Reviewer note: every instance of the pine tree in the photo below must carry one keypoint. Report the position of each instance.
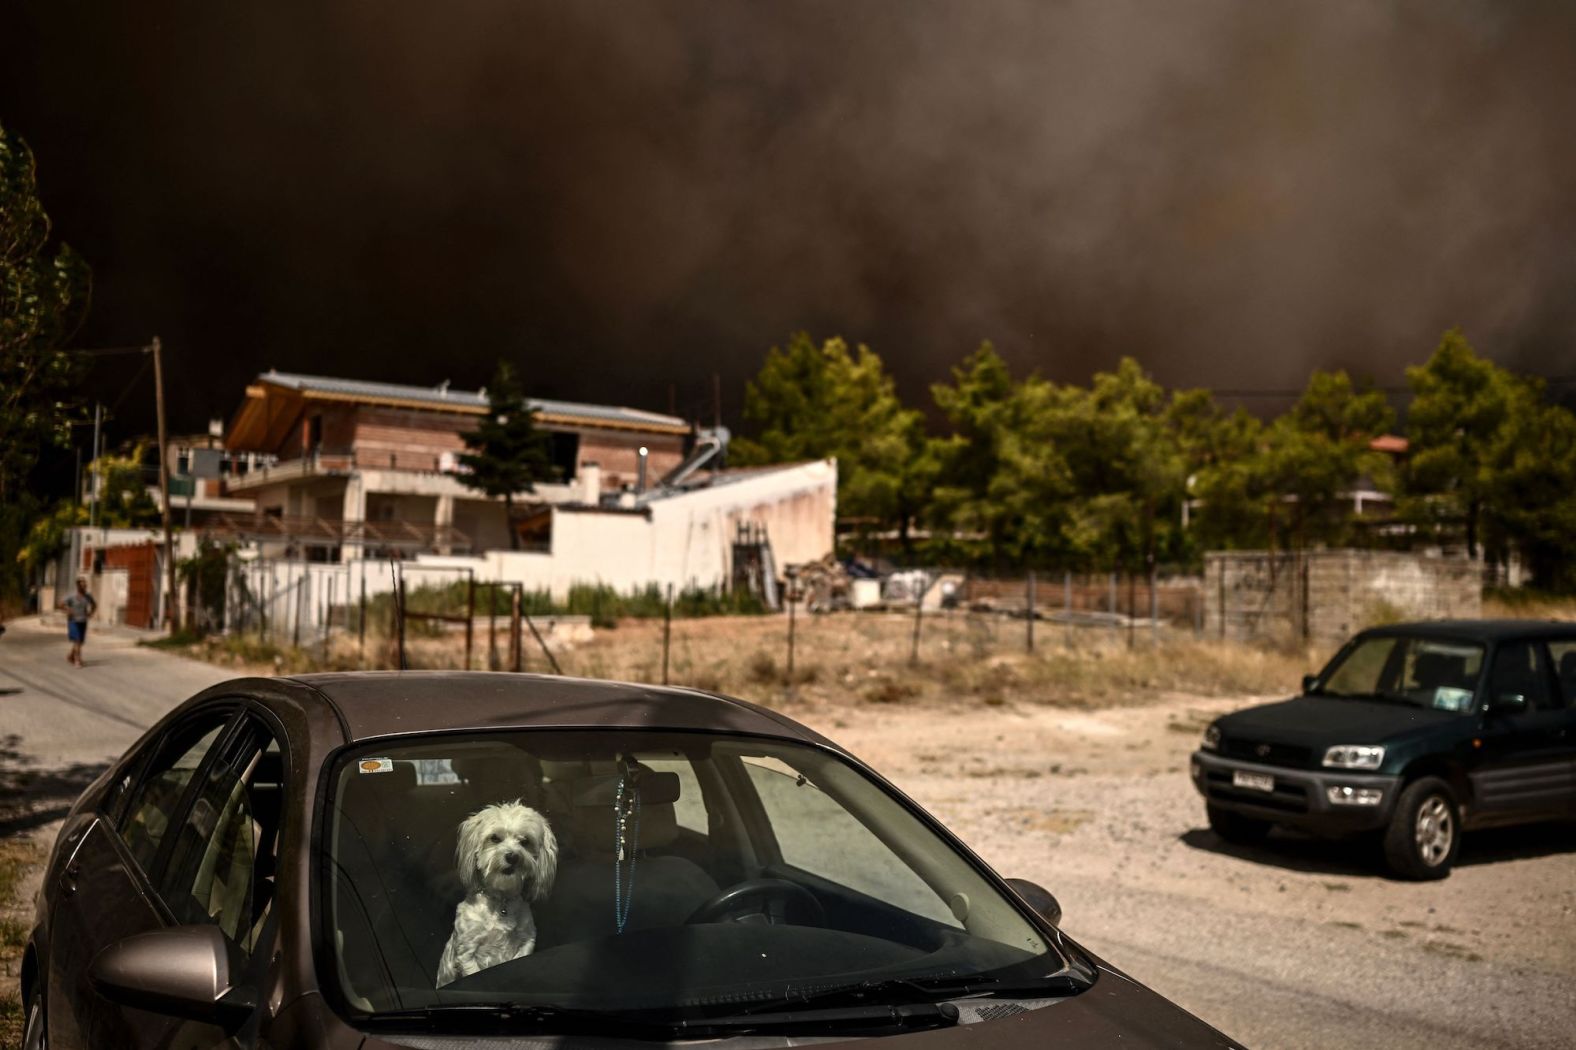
(508, 455)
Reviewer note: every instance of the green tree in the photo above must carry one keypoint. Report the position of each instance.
(1534, 492)
(1218, 450)
(814, 401)
(1316, 454)
(507, 454)
(43, 297)
(973, 494)
(1463, 408)
(1126, 473)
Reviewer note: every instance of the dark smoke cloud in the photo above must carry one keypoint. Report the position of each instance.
(624, 196)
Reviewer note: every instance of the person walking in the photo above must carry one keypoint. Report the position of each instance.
(79, 607)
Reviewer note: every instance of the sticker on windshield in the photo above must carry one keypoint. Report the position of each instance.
(376, 765)
(1449, 698)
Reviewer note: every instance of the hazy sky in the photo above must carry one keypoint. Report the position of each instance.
(624, 195)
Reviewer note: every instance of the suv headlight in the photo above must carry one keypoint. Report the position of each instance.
(1354, 756)
(1211, 741)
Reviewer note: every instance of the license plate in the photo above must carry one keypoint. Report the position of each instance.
(1252, 781)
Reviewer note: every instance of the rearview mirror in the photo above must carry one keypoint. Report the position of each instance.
(1308, 682)
(1508, 703)
(1039, 898)
(184, 971)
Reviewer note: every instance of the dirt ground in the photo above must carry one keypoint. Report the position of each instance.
(1096, 806)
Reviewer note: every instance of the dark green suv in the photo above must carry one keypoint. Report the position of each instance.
(1415, 732)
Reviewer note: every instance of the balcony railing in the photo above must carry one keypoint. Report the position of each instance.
(372, 536)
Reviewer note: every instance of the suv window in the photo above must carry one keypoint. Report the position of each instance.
(1562, 655)
(1520, 670)
(153, 801)
(221, 869)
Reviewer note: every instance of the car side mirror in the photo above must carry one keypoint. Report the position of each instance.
(1508, 703)
(1039, 898)
(184, 971)
(1308, 682)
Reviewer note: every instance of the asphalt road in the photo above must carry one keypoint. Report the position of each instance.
(60, 725)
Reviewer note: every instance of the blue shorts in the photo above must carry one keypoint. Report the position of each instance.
(77, 631)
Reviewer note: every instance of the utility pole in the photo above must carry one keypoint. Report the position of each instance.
(164, 485)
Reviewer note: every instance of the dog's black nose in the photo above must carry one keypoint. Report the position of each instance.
(511, 857)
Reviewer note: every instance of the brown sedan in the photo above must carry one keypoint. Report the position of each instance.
(384, 860)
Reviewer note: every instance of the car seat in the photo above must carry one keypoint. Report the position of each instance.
(665, 889)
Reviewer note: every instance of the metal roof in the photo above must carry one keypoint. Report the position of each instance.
(382, 703)
(442, 396)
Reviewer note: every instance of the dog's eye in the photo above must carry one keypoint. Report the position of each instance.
(494, 838)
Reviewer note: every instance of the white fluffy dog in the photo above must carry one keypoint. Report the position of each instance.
(507, 857)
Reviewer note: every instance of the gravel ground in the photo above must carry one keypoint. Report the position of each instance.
(1300, 943)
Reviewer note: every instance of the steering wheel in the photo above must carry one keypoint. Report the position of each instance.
(776, 901)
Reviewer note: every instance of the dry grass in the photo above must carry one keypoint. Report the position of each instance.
(18, 857)
(863, 658)
(866, 658)
(1529, 607)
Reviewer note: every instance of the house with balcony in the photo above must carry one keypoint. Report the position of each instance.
(340, 469)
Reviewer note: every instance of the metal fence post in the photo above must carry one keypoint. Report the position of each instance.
(793, 600)
(470, 614)
(1030, 618)
(667, 633)
(919, 615)
(516, 646)
(492, 626)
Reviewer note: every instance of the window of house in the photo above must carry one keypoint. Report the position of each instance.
(564, 450)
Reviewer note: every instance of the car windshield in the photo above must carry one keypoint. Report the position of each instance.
(1439, 673)
(666, 875)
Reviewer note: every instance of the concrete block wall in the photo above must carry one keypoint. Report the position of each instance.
(1324, 596)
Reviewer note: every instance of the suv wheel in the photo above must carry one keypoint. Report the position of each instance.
(1425, 832)
(1234, 827)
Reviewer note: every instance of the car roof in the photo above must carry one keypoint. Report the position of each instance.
(385, 703)
(1483, 630)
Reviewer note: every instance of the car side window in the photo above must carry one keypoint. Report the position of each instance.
(1562, 654)
(153, 801)
(222, 867)
(1520, 670)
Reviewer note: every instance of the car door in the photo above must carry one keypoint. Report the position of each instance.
(1525, 770)
(1562, 659)
(102, 891)
(215, 868)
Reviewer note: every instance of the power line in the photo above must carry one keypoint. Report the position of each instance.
(109, 351)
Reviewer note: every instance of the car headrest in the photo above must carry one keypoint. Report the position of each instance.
(1568, 671)
(592, 810)
(602, 790)
(501, 776)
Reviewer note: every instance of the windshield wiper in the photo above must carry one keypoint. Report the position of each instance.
(918, 990)
(904, 1015)
(504, 1016)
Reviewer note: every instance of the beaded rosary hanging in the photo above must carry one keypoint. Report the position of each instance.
(626, 841)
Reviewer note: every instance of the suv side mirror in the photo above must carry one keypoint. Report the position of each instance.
(1308, 682)
(183, 971)
(1039, 898)
(1508, 703)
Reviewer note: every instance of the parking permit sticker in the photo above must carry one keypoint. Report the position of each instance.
(376, 765)
(1449, 698)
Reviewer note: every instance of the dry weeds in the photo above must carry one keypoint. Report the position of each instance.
(18, 856)
(860, 658)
